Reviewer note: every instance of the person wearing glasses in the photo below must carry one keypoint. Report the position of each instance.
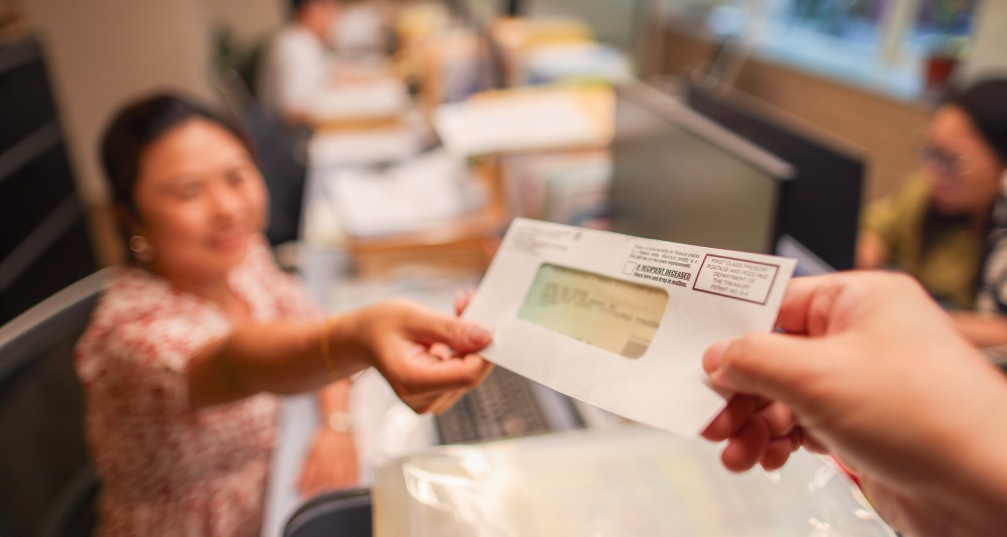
(935, 228)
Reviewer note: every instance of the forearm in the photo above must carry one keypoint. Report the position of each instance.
(393, 336)
(965, 480)
(975, 495)
(982, 476)
(282, 358)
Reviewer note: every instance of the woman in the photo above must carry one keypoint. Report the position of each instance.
(935, 227)
(191, 337)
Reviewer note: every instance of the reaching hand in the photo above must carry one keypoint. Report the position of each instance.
(446, 401)
(872, 371)
(423, 355)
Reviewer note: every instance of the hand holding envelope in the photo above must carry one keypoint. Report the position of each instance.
(622, 322)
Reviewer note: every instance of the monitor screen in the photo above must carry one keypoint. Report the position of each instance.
(679, 177)
(819, 209)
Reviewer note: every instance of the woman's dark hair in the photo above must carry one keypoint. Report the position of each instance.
(134, 129)
(985, 103)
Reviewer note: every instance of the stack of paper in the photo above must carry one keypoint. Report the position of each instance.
(521, 121)
(586, 60)
(569, 187)
(382, 97)
(407, 197)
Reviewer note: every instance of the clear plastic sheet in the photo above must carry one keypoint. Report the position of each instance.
(632, 481)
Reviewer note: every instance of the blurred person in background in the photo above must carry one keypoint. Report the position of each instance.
(935, 228)
(299, 63)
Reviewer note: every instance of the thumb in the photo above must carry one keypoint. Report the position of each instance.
(774, 366)
(462, 336)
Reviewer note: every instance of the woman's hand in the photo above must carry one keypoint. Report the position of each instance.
(423, 355)
(448, 400)
(331, 463)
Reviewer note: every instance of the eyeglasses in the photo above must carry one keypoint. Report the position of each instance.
(945, 163)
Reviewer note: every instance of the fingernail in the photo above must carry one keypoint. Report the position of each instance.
(479, 334)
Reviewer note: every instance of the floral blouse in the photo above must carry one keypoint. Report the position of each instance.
(992, 294)
(167, 469)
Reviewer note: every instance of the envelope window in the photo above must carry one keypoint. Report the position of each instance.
(609, 313)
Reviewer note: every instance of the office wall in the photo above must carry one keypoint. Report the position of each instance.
(247, 19)
(101, 52)
(989, 50)
(104, 51)
(880, 124)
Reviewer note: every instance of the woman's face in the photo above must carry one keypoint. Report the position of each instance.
(963, 170)
(201, 200)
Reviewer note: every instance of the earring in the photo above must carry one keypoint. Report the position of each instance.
(141, 250)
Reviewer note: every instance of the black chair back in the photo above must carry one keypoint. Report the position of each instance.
(48, 484)
(342, 513)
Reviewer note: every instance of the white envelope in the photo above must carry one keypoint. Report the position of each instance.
(622, 322)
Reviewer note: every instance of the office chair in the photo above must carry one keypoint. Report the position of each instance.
(341, 513)
(48, 484)
(282, 153)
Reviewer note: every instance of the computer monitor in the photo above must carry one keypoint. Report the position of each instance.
(678, 176)
(820, 209)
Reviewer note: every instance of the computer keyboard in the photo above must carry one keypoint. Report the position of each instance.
(503, 406)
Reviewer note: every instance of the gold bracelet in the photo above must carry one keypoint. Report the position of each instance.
(327, 351)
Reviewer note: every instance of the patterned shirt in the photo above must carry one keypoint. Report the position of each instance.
(992, 294)
(165, 468)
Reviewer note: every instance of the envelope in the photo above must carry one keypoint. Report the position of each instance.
(622, 322)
